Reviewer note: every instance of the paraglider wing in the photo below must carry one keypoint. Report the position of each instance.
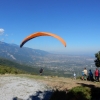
(37, 34)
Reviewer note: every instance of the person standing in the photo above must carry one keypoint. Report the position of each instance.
(96, 73)
(41, 71)
(90, 75)
(85, 74)
(74, 75)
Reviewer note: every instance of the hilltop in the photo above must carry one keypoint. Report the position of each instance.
(37, 87)
(60, 83)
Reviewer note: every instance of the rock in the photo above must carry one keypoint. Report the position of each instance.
(20, 88)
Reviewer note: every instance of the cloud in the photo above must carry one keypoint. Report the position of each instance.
(1, 31)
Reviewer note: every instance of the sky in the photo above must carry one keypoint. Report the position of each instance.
(76, 21)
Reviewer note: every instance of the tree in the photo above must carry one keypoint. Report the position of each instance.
(97, 60)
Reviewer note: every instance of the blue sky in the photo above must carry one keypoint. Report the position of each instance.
(76, 21)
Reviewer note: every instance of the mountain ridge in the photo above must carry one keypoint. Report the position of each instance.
(21, 55)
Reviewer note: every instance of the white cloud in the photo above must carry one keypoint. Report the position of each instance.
(1, 31)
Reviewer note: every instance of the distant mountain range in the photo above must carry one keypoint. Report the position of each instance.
(22, 55)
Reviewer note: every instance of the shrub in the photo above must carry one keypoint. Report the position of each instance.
(79, 93)
(76, 93)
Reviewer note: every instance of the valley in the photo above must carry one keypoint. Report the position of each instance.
(53, 64)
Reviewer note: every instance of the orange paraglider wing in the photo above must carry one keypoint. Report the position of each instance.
(37, 34)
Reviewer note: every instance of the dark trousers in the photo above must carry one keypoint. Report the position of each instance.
(97, 78)
(90, 78)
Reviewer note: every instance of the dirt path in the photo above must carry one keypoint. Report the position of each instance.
(67, 83)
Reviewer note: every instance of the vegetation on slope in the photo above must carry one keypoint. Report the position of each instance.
(10, 70)
(30, 70)
(7, 66)
(77, 93)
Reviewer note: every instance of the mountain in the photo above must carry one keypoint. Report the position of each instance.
(22, 55)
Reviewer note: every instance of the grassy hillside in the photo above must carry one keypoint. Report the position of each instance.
(10, 70)
(8, 66)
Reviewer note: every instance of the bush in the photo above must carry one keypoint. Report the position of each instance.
(79, 93)
(76, 93)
